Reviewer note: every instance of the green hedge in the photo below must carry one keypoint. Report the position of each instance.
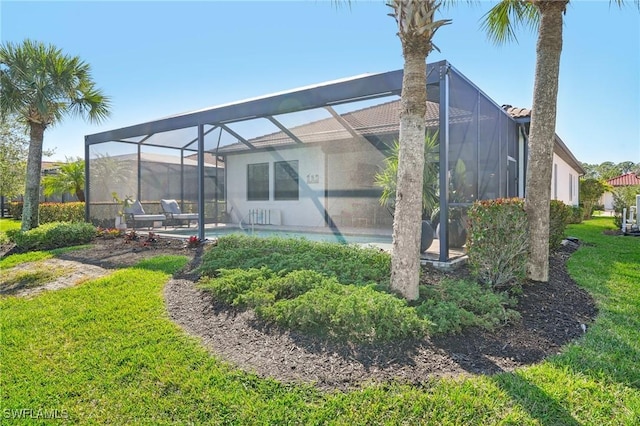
(52, 235)
(52, 212)
(497, 242)
(559, 215)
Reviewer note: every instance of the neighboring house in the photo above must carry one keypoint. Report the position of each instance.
(566, 168)
(627, 179)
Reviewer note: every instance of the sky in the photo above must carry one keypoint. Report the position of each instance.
(156, 59)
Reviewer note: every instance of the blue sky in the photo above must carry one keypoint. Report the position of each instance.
(156, 59)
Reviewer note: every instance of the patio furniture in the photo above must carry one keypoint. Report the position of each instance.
(173, 213)
(135, 213)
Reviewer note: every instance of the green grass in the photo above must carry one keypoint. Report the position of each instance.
(106, 352)
(7, 225)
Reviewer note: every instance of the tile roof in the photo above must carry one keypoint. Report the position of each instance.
(516, 112)
(626, 179)
(371, 121)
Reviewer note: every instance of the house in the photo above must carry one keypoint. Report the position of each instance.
(566, 168)
(308, 157)
(627, 179)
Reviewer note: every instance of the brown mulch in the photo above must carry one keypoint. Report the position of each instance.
(553, 314)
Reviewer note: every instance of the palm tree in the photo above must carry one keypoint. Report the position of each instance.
(416, 28)
(70, 178)
(41, 85)
(500, 23)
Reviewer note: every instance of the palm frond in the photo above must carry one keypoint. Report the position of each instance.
(506, 17)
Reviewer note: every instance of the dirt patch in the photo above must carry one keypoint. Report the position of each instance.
(553, 314)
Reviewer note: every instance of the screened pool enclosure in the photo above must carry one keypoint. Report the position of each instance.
(306, 160)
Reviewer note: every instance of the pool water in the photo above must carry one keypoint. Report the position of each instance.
(336, 237)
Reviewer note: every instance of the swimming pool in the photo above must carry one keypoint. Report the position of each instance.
(335, 237)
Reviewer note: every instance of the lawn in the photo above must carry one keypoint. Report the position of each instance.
(106, 352)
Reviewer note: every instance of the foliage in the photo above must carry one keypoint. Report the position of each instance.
(194, 241)
(108, 233)
(14, 148)
(623, 197)
(453, 305)
(350, 264)
(590, 192)
(69, 178)
(608, 170)
(310, 302)
(52, 235)
(387, 177)
(347, 312)
(497, 242)
(576, 214)
(559, 214)
(53, 212)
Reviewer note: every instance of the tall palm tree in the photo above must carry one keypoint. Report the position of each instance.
(70, 178)
(416, 28)
(41, 85)
(500, 23)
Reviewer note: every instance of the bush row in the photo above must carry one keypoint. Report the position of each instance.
(52, 212)
(52, 235)
(350, 264)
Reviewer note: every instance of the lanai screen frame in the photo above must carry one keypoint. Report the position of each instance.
(329, 94)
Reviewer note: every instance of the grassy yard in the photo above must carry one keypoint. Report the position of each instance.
(106, 352)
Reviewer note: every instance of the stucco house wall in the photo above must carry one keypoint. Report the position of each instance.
(564, 182)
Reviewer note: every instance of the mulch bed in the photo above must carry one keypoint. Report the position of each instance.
(553, 314)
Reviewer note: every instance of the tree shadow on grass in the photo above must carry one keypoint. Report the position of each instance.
(540, 405)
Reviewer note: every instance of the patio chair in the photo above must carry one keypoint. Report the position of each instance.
(135, 213)
(173, 214)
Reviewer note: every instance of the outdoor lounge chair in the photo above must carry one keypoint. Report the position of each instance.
(172, 212)
(135, 213)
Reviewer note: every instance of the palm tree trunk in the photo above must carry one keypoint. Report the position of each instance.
(541, 138)
(405, 254)
(32, 186)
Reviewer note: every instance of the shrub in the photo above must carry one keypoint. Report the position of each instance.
(559, 214)
(576, 214)
(52, 235)
(455, 304)
(497, 242)
(52, 212)
(350, 264)
(347, 312)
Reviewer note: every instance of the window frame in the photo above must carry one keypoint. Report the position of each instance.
(254, 194)
(278, 193)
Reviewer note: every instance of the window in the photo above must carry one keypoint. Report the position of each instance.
(570, 187)
(555, 181)
(286, 180)
(258, 182)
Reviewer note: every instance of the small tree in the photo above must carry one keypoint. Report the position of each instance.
(41, 86)
(590, 192)
(70, 178)
(14, 148)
